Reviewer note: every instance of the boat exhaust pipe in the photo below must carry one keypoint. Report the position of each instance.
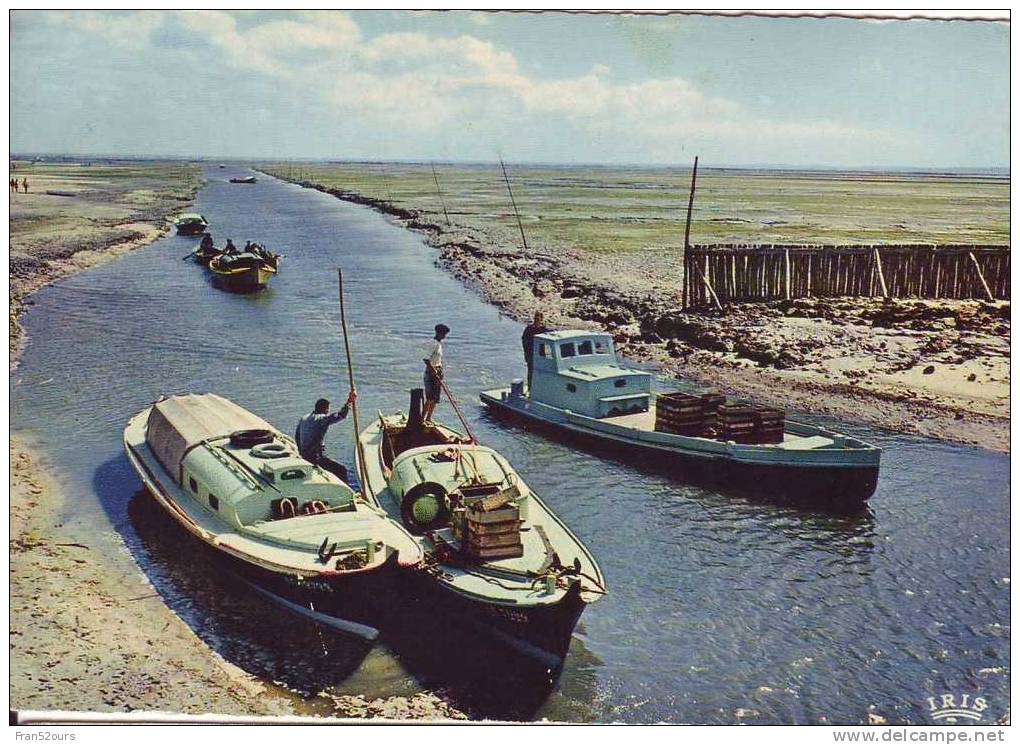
(414, 414)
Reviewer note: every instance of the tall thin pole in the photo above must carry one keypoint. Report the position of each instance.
(690, 205)
(362, 466)
(440, 193)
(520, 225)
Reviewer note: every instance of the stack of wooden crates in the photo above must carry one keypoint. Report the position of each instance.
(687, 414)
(489, 527)
(709, 415)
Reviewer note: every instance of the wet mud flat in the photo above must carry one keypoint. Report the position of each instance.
(77, 215)
(603, 250)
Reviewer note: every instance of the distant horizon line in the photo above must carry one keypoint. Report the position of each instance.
(467, 162)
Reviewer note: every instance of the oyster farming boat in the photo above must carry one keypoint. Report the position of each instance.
(497, 557)
(580, 389)
(294, 532)
(248, 271)
(191, 223)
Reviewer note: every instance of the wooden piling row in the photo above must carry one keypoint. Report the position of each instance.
(715, 274)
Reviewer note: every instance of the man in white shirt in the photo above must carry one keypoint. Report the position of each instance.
(434, 370)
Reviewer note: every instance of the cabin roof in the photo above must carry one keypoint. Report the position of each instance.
(597, 372)
(178, 423)
(567, 335)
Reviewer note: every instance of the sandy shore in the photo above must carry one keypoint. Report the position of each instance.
(88, 632)
(934, 368)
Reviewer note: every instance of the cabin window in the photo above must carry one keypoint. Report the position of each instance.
(544, 351)
(621, 383)
(214, 502)
(584, 347)
(294, 473)
(601, 347)
(571, 387)
(567, 350)
(193, 484)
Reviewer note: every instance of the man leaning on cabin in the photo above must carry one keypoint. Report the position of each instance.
(311, 434)
(434, 370)
(537, 326)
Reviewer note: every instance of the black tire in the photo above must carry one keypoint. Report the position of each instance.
(423, 508)
(246, 438)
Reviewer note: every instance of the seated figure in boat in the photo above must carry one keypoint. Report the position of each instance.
(207, 242)
(230, 249)
(310, 434)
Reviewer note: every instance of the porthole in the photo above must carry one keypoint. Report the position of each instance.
(622, 382)
(571, 387)
(214, 502)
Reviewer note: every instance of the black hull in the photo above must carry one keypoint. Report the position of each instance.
(242, 285)
(343, 602)
(540, 634)
(824, 489)
(191, 230)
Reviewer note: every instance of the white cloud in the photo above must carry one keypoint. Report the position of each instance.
(414, 82)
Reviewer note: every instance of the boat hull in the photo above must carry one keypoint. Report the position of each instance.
(793, 480)
(248, 280)
(539, 633)
(191, 229)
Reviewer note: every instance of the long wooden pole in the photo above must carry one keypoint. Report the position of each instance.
(362, 466)
(453, 403)
(440, 193)
(513, 201)
(690, 205)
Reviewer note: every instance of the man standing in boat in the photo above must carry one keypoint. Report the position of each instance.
(311, 434)
(434, 370)
(537, 326)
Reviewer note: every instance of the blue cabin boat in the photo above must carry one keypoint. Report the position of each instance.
(580, 389)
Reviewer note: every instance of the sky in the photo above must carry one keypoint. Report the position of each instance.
(548, 87)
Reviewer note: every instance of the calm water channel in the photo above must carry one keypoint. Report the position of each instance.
(721, 610)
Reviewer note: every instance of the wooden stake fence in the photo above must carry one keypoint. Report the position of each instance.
(747, 273)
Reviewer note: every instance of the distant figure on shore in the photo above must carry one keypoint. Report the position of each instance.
(14, 185)
(434, 371)
(230, 249)
(24, 185)
(537, 326)
(311, 434)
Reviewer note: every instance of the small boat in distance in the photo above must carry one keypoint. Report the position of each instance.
(294, 532)
(580, 389)
(191, 223)
(244, 180)
(244, 272)
(501, 561)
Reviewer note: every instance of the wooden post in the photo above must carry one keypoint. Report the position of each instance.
(513, 201)
(708, 285)
(786, 258)
(981, 276)
(440, 193)
(881, 276)
(690, 205)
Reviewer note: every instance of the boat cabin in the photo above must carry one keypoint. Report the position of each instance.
(235, 464)
(578, 371)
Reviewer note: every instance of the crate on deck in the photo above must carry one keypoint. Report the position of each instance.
(488, 525)
(769, 425)
(679, 413)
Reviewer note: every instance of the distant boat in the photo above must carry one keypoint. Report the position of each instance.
(245, 272)
(223, 165)
(579, 388)
(295, 532)
(191, 223)
(245, 180)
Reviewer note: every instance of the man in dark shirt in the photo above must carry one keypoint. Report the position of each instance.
(311, 433)
(537, 326)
